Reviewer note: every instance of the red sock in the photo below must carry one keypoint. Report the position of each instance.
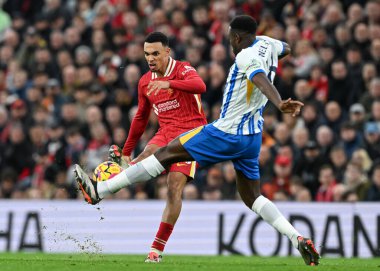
(162, 236)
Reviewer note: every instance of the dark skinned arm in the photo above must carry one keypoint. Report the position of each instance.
(268, 89)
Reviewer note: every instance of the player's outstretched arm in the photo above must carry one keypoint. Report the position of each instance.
(267, 88)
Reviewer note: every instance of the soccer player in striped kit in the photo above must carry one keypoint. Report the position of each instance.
(235, 136)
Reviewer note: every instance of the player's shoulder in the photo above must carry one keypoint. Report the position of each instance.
(183, 67)
(265, 38)
(246, 56)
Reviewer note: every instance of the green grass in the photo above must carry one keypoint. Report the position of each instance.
(94, 262)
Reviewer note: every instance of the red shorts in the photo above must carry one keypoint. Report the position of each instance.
(162, 138)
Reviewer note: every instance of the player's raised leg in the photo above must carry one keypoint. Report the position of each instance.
(249, 191)
(142, 171)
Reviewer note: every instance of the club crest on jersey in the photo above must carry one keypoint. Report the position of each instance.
(255, 64)
(187, 69)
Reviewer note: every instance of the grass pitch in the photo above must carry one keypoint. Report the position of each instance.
(94, 262)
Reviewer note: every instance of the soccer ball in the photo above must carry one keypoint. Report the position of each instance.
(106, 171)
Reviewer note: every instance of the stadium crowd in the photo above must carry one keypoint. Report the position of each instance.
(68, 89)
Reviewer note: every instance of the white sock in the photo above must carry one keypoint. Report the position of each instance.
(143, 171)
(269, 212)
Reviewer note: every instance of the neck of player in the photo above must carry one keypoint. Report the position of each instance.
(162, 71)
(245, 43)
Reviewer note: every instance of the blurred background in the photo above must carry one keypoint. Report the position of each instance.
(68, 89)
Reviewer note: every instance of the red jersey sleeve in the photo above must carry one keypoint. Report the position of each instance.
(188, 80)
(139, 122)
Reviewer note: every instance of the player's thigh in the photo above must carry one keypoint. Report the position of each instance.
(156, 142)
(172, 153)
(249, 167)
(209, 145)
(248, 162)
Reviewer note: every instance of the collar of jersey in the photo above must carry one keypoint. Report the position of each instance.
(169, 68)
(254, 42)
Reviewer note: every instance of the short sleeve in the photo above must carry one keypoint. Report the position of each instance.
(250, 64)
(279, 45)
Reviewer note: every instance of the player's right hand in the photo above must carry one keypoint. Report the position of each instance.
(290, 106)
(127, 159)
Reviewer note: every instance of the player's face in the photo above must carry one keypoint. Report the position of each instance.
(157, 56)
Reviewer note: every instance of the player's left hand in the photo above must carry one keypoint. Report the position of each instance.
(290, 106)
(156, 86)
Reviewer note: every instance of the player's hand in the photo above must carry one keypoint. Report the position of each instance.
(126, 158)
(156, 86)
(290, 106)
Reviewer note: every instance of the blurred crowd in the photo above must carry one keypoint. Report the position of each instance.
(68, 89)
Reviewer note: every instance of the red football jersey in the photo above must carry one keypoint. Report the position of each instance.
(178, 108)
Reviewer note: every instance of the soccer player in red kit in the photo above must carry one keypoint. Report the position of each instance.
(172, 88)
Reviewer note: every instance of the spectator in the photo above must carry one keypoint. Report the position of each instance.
(371, 142)
(368, 73)
(190, 192)
(356, 182)
(325, 139)
(303, 91)
(319, 83)
(340, 84)
(281, 180)
(300, 137)
(285, 83)
(327, 180)
(339, 160)
(338, 192)
(305, 58)
(311, 118)
(373, 94)
(308, 167)
(349, 138)
(229, 184)
(373, 193)
(342, 39)
(375, 53)
(357, 116)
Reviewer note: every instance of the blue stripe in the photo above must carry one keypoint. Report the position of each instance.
(260, 124)
(254, 73)
(229, 94)
(241, 124)
(250, 124)
(283, 48)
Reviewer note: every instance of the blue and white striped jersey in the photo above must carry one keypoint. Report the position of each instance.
(243, 102)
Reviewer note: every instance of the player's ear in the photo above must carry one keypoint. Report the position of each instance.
(238, 37)
(168, 50)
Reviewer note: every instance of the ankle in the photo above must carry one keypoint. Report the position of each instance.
(159, 252)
